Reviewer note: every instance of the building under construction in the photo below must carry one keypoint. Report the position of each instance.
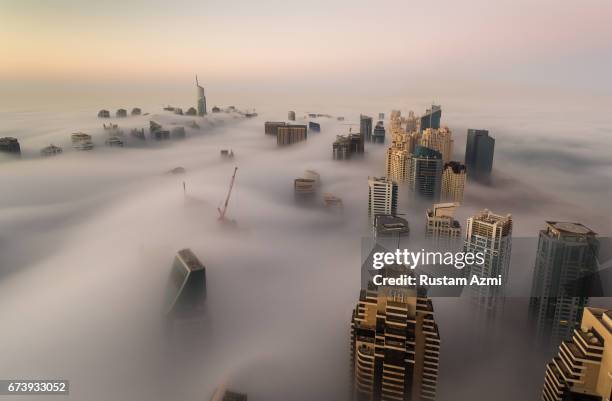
(346, 146)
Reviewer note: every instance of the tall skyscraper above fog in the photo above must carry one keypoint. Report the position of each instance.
(431, 118)
(291, 115)
(566, 253)
(425, 173)
(396, 164)
(378, 136)
(201, 99)
(395, 346)
(479, 149)
(453, 182)
(382, 197)
(440, 139)
(490, 234)
(365, 127)
(582, 371)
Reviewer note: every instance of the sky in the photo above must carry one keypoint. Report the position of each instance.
(351, 45)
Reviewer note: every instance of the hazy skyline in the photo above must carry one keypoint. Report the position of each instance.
(559, 45)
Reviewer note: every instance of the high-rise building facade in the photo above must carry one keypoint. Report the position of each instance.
(490, 234)
(271, 127)
(395, 346)
(345, 146)
(291, 115)
(440, 139)
(290, 134)
(441, 223)
(412, 122)
(382, 196)
(378, 136)
(201, 99)
(582, 370)
(453, 182)
(566, 253)
(365, 127)
(431, 118)
(479, 149)
(425, 173)
(396, 164)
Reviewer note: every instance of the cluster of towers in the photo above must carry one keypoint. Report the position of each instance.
(388, 359)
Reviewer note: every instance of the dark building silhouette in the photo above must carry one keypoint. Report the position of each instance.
(365, 127)
(345, 146)
(201, 97)
(271, 127)
(10, 145)
(121, 113)
(221, 394)
(186, 290)
(379, 133)
(431, 118)
(103, 114)
(314, 127)
(566, 253)
(425, 173)
(479, 149)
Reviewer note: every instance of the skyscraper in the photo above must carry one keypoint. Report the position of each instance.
(346, 146)
(425, 173)
(490, 234)
(438, 139)
(396, 164)
(566, 253)
(441, 223)
(431, 118)
(186, 289)
(365, 127)
(395, 346)
(382, 196)
(378, 136)
(453, 182)
(479, 149)
(271, 127)
(291, 115)
(582, 371)
(201, 99)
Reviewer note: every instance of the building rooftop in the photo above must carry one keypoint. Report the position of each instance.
(456, 166)
(422, 151)
(389, 224)
(190, 260)
(570, 228)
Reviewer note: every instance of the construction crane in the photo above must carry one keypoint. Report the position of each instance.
(229, 193)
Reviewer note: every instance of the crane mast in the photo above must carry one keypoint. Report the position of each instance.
(229, 193)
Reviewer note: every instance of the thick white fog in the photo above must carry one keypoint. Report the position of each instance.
(87, 240)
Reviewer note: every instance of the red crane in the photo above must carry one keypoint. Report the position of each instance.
(229, 193)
